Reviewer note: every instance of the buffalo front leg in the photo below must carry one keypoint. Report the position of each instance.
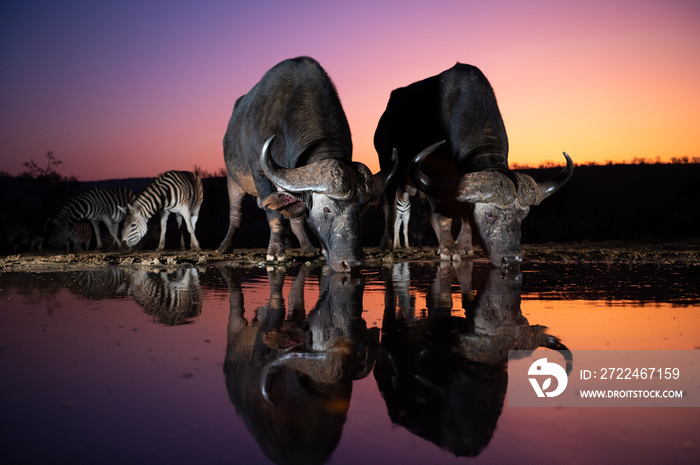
(275, 249)
(300, 232)
(235, 199)
(442, 226)
(387, 242)
(464, 239)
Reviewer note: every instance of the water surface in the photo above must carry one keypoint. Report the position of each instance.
(402, 364)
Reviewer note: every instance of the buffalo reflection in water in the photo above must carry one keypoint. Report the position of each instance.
(289, 374)
(444, 377)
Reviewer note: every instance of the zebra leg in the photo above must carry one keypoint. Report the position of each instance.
(98, 236)
(235, 199)
(194, 243)
(178, 218)
(300, 232)
(163, 225)
(190, 221)
(406, 218)
(114, 232)
(397, 229)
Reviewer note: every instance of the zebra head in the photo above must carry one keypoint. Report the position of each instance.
(135, 225)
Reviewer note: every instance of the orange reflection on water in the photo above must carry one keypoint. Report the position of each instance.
(600, 325)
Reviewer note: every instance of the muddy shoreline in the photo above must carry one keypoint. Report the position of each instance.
(680, 252)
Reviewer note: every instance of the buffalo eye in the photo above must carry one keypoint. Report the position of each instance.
(489, 216)
(326, 212)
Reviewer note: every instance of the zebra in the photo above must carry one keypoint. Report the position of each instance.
(19, 236)
(80, 236)
(172, 299)
(95, 205)
(403, 214)
(178, 192)
(109, 283)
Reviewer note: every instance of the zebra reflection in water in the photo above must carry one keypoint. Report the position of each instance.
(172, 298)
(102, 284)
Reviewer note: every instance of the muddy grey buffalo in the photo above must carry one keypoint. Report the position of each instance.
(290, 374)
(464, 169)
(442, 372)
(288, 143)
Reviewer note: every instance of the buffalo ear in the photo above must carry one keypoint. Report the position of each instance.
(289, 206)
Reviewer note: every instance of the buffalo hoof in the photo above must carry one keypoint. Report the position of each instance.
(309, 250)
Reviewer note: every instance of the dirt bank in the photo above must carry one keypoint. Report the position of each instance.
(682, 252)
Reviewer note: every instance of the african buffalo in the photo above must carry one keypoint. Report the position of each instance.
(289, 374)
(464, 170)
(288, 143)
(444, 375)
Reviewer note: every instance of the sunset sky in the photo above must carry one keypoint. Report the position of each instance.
(132, 88)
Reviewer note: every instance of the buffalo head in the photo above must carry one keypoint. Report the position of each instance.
(333, 194)
(499, 201)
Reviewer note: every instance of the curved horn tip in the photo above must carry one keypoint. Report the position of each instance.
(394, 164)
(268, 142)
(424, 154)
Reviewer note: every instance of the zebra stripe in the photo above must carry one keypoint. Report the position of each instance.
(178, 192)
(171, 298)
(80, 236)
(403, 214)
(109, 283)
(19, 236)
(94, 205)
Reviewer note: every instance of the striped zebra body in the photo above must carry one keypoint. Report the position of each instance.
(80, 236)
(94, 205)
(403, 214)
(179, 192)
(19, 236)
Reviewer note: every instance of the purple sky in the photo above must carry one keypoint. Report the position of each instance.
(135, 88)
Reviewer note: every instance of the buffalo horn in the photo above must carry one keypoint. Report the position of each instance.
(553, 343)
(549, 187)
(329, 176)
(311, 364)
(420, 180)
(374, 185)
(496, 187)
